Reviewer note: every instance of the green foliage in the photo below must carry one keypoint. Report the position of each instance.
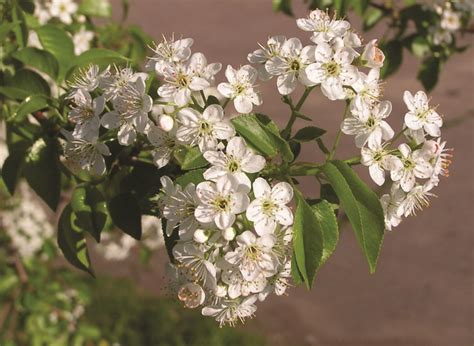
(99, 56)
(145, 320)
(308, 240)
(309, 133)
(283, 6)
(30, 105)
(362, 207)
(189, 157)
(393, 51)
(328, 223)
(429, 72)
(126, 214)
(72, 242)
(194, 176)
(96, 8)
(29, 82)
(39, 59)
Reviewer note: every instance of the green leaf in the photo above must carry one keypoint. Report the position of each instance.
(250, 129)
(27, 5)
(89, 205)
(429, 72)
(11, 170)
(360, 6)
(340, 6)
(371, 17)
(98, 56)
(30, 82)
(308, 241)
(309, 133)
(72, 242)
(328, 223)
(419, 46)
(56, 41)
(31, 104)
(96, 8)
(126, 214)
(271, 128)
(283, 6)
(393, 51)
(362, 207)
(21, 31)
(189, 157)
(195, 177)
(41, 60)
(42, 171)
(6, 28)
(295, 272)
(14, 93)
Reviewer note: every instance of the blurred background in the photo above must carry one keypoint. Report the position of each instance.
(422, 292)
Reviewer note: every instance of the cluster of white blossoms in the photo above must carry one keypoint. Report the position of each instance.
(450, 19)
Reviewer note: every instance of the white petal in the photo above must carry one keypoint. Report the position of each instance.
(261, 188)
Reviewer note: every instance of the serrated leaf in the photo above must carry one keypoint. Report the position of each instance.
(41, 60)
(126, 214)
(42, 171)
(96, 8)
(361, 206)
(189, 157)
(31, 104)
(295, 272)
(328, 223)
(195, 177)
(308, 133)
(250, 129)
(89, 205)
(72, 242)
(308, 241)
(271, 128)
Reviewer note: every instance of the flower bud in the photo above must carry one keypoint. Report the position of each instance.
(166, 122)
(228, 233)
(220, 291)
(372, 56)
(200, 236)
(192, 295)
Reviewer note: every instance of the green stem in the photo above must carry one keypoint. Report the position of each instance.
(286, 133)
(397, 136)
(203, 97)
(225, 103)
(338, 136)
(196, 103)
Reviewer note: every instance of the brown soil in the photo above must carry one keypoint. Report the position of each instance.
(422, 292)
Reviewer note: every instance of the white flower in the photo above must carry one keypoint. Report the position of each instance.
(194, 261)
(263, 54)
(164, 143)
(333, 70)
(232, 311)
(420, 114)
(279, 283)
(82, 40)
(237, 160)
(220, 202)
(131, 115)
(237, 286)
(152, 236)
(192, 295)
(270, 206)
(115, 248)
(42, 13)
(323, 27)
(413, 165)
(179, 208)
(87, 153)
(113, 83)
(85, 113)
(450, 20)
(416, 199)
(391, 206)
(367, 123)
(240, 88)
(254, 256)
(182, 79)
(63, 9)
(290, 65)
(372, 55)
(87, 79)
(378, 159)
(170, 51)
(203, 129)
(439, 157)
(367, 87)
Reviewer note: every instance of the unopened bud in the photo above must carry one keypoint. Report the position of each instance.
(229, 234)
(166, 122)
(372, 56)
(200, 236)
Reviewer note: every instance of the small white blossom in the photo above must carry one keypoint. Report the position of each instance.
(63, 10)
(237, 160)
(416, 199)
(197, 266)
(240, 88)
(367, 123)
(270, 206)
(290, 65)
(413, 165)
(265, 53)
(332, 70)
(378, 159)
(82, 40)
(231, 311)
(420, 114)
(367, 87)
(164, 143)
(86, 79)
(372, 55)
(85, 113)
(170, 51)
(203, 129)
(391, 204)
(192, 295)
(323, 27)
